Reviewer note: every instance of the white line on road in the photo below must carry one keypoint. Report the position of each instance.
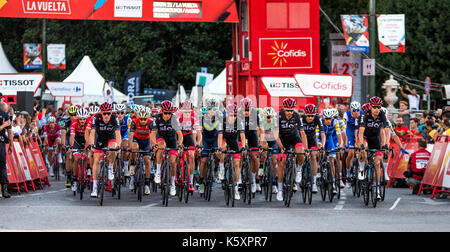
(395, 204)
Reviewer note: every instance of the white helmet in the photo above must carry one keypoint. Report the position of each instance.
(94, 110)
(335, 112)
(269, 111)
(327, 113)
(51, 119)
(82, 113)
(355, 105)
(120, 107)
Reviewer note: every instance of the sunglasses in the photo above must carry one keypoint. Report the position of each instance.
(309, 115)
(81, 119)
(167, 113)
(290, 111)
(376, 107)
(269, 117)
(107, 113)
(142, 119)
(328, 119)
(355, 110)
(121, 113)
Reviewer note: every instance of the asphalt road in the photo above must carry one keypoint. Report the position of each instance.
(56, 209)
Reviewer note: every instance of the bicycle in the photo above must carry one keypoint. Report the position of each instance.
(209, 179)
(139, 175)
(370, 184)
(82, 175)
(118, 175)
(307, 178)
(103, 176)
(55, 161)
(326, 180)
(289, 176)
(228, 184)
(246, 177)
(183, 177)
(353, 176)
(165, 175)
(268, 178)
(383, 181)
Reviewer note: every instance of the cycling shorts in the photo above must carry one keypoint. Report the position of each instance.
(312, 142)
(79, 146)
(144, 145)
(252, 138)
(330, 145)
(350, 140)
(291, 142)
(171, 142)
(188, 140)
(233, 145)
(103, 143)
(274, 146)
(51, 140)
(208, 143)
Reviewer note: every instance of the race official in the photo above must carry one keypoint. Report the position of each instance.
(5, 126)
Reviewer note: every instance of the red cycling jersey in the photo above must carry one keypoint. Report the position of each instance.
(77, 130)
(89, 121)
(141, 132)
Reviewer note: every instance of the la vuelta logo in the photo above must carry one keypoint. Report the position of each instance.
(285, 53)
(46, 6)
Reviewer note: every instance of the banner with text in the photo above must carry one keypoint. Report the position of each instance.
(56, 56)
(132, 84)
(391, 33)
(32, 56)
(356, 32)
(323, 85)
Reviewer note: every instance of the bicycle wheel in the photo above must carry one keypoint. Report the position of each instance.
(268, 179)
(354, 177)
(330, 183)
(249, 186)
(373, 184)
(118, 178)
(337, 179)
(139, 181)
(187, 176)
(290, 180)
(308, 183)
(383, 183)
(179, 182)
(322, 183)
(303, 185)
(101, 183)
(81, 172)
(366, 185)
(166, 183)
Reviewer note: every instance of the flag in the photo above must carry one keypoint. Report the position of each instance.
(391, 33)
(356, 32)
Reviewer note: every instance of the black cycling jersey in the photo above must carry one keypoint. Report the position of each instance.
(105, 130)
(289, 127)
(166, 128)
(252, 122)
(373, 126)
(310, 128)
(232, 130)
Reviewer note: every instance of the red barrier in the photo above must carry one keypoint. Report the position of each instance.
(392, 161)
(437, 173)
(400, 163)
(39, 160)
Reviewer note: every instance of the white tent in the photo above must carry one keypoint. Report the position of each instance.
(180, 96)
(217, 88)
(93, 84)
(5, 66)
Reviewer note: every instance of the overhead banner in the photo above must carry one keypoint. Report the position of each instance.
(323, 85)
(56, 56)
(10, 84)
(134, 10)
(67, 89)
(132, 85)
(391, 33)
(356, 32)
(32, 56)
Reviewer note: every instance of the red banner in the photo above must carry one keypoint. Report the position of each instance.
(285, 53)
(135, 10)
(401, 163)
(434, 166)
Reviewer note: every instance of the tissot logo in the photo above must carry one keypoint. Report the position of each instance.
(46, 6)
(283, 85)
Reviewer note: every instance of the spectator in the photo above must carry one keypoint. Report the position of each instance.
(447, 127)
(413, 98)
(109, 94)
(414, 131)
(400, 129)
(417, 165)
(404, 112)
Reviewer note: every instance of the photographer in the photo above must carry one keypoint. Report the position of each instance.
(5, 125)
(417, 165)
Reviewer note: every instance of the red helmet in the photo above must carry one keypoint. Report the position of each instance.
(187, 105)
(365, 107)
(167, 106)
(106, 107)
(232, 109)
(310, 109)
(376, 101)
(246, 103)
(289, 103)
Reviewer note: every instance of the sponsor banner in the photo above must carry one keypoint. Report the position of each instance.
(56, 56)
(22, 160)
(131, 86)
(160, 95)
(445, 170)
(356, 32)
(401, 163)
(42, 169)
(431, 176)
(427, 85)
(285, 53)
(32, 56)
(72, 89)
(203, 79)
(325, 85)
(391, 33)
(282, 86)
(10, 84)
(137, 10)
(128, 8)
(345, 62)
(179, 9)
(230, 77)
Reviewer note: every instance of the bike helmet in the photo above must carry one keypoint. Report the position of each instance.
(187, 105)
(121, 108)
(310, 109)
(376, 101)
(355, 106)
(289, 103)
(335, 112)
(269, 111)
(167, 106)
(82, 113)
(143, 113)
(155, 111)
(212, 103)
(134, 108)
(106, 107)
(365, 107)
(72, 110)
(94, 110)
(51, 119)
(328, 113)
(246, 103)
(232, 109)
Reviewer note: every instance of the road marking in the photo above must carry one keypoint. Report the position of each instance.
(395, 204)
(341, 202)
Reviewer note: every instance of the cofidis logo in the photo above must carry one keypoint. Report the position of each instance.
(288, 53)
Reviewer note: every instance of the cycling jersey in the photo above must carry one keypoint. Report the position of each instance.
(188, 123)
(52, 134)
(210, 130)
(104, 132)
(373, 126)
(124, 128)
(252, 122)
(231, 133)
(166, 129)
(79, 131)
(141, 132)
(269, 128)
(289, 130)
(351, 127)
(330, 131)
(315, 126)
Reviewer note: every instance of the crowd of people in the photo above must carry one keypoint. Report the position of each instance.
(217, 125)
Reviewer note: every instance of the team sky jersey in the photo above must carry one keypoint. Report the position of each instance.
(166, 128)
(289, 127)
(52, 133)
(232, 130)
(141, 132)
(252, 122)
(189, 122)
(312, 128)
(211, 126)
(105, 130)
(78, 130)
(373, 125)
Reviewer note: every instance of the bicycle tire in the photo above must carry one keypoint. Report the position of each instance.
(178, 184)
(383, 183)
(101, 183)
(365, 186)
(330, 183)
(226, 183)
(373, 187)
(166, 183)
(309, 184)
(337, 179)
(290, 181)
(118, 179)
(303, 183)
(140, 180)
(187, 176)
(322, 185)
(249, 186)
(354, 177)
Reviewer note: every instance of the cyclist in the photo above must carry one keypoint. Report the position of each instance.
(77, 140)
(65, 131)
(269, 123)
(105, 132)
(211, 124)
(351, 118)
(232, 131)
(190, 126)
(331, 129)
(312, 123)
(290, 125)
(166, 131)
(253, 131)
(52, 136)
(123, 121)
(140, 130)
(93, 110)
(373, 123)
(339, 155)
